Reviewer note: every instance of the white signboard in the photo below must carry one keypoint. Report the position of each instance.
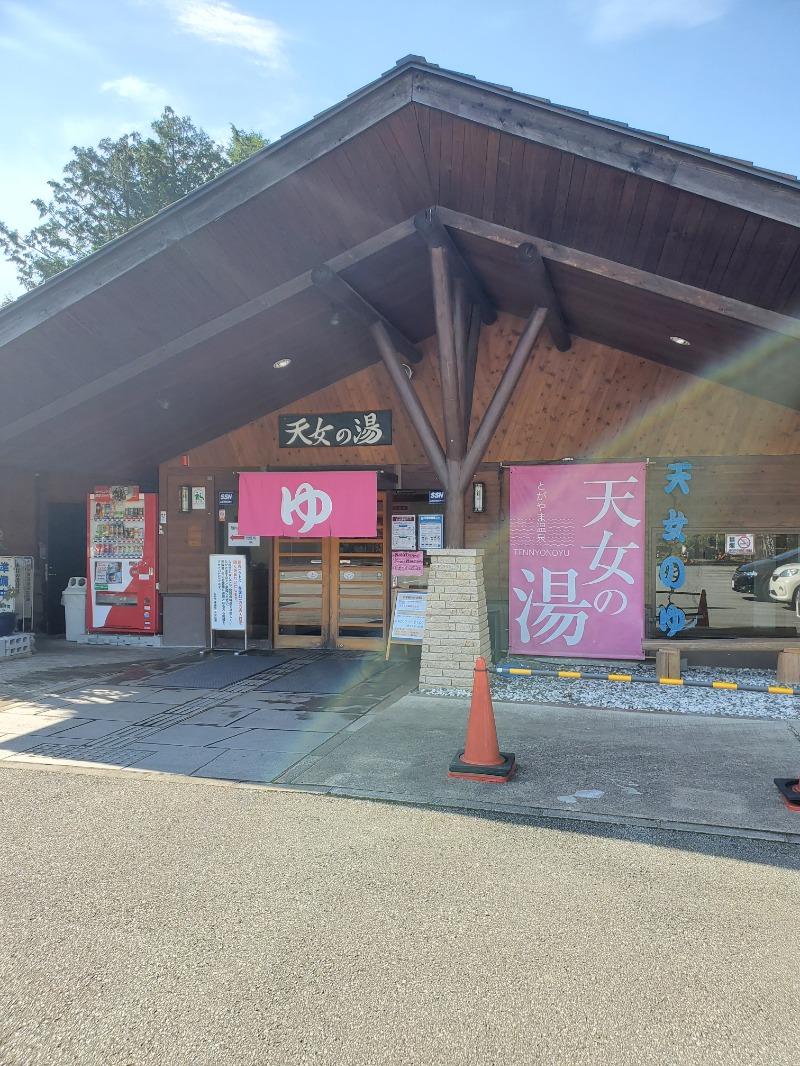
(8, 583)
(408, 618)
(740, 544)
(404, 533)
(228, 586)
(239, 540)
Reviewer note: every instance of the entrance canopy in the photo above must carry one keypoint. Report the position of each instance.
(168, 336)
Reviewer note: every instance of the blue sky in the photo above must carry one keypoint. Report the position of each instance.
(717, 73)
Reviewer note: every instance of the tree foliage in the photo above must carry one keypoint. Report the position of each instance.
(107, 190)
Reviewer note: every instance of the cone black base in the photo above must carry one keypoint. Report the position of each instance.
(499, 773)
(786, 786)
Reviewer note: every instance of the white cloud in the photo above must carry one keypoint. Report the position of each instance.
(613, 20)
(220, 23)
(133, 88)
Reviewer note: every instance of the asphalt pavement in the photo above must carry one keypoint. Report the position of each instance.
(164, 920)
(283, 911)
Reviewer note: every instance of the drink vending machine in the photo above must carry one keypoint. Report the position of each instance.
(122, 561)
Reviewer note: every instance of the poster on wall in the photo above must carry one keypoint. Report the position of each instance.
(404, 532)
(407, 563)
(576, 560)
(239, 540)
(431, 531)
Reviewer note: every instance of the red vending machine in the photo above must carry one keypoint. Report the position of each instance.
(122, 563)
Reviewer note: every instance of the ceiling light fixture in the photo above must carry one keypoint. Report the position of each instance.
(280, 364)
(680, 340)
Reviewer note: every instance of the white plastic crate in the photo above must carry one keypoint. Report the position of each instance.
(18, 645)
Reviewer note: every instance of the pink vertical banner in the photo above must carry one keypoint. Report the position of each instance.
(576, 560)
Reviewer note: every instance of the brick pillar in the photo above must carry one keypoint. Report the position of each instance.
(456, 621)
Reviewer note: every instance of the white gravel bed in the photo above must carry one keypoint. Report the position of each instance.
(635, 696)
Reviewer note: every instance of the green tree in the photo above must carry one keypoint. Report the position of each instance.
(107, 190)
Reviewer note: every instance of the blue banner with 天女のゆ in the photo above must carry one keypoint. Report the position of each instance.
(672, 572)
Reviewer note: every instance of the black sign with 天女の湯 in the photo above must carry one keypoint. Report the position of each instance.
(343, 429)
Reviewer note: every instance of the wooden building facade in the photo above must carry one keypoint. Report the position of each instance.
(517, 282)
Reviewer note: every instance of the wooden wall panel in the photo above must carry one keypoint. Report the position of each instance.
(747, 493)
(592, 402)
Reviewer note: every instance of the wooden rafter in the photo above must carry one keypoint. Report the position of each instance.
(327, 280)
(503, 393)
(544, 294)
(450, 360)
(430, 228)
(410, 400)
(726, 306)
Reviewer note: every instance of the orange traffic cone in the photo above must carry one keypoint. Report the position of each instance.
(482, 759)
(789, 789)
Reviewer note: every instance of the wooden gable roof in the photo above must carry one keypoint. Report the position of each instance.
(166, 337)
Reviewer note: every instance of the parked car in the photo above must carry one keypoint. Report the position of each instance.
(784, 585)
(754, 577)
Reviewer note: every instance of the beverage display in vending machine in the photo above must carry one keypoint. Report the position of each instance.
(122, 561)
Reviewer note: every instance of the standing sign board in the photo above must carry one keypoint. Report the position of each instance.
(576, 565)
(228, 594)
(408, 618)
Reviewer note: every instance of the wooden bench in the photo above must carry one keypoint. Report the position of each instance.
(668, 654)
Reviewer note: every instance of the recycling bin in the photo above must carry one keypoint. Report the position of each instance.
(73, 600)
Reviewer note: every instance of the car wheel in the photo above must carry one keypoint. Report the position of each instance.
(796, 599)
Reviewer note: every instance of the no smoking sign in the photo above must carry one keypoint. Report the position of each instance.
(740, 543)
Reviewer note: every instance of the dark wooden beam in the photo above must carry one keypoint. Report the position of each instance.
(462, 317)
(449, 358)
(343, 296)
(454, 510)
(544, 294)
(473, 340)
(410, 400)
(726, 306)
(633, 151)
(503, 392)
(162, 355)
(430, 228)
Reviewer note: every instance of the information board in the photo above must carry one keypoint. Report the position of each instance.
(228, 589)
(404, 532)
(408, 618)
(431, 531)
